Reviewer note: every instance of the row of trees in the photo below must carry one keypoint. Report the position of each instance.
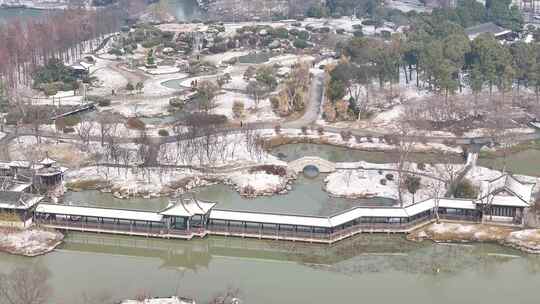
(27, 44)
(437, 54)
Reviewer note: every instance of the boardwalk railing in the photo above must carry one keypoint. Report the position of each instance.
(248, 232)
(154, 230)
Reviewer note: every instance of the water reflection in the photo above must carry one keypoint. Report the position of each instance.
(363, 254)
(123, 266)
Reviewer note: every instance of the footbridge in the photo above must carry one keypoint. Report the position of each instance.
(323, 165)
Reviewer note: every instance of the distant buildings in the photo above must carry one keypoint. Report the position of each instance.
(45, 177)
(23, 185)
(499, 32)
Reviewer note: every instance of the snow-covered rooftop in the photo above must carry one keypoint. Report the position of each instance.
(504, 200)
(270, 218)
(520, 193)
(134, 215)
(340, 218)
(187, 208)
(20, 187)
(18, 200)
(47, 161)
(489, 27)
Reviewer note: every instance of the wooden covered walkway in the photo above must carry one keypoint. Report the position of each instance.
(187, 222)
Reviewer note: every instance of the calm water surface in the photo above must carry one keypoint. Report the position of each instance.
(23, 13)
(525, 162)
(306, 198)
(370, 268)
(291, 152)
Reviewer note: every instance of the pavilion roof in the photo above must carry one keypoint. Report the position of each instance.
(187, 208)
(488, 27)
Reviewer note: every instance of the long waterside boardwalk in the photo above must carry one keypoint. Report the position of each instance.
(272, 226)
(505, 201)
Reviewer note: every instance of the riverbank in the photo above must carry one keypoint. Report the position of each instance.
(31, 242)
(527, 240)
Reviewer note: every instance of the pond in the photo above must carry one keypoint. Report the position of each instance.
(291, 152)
(174, 84)
(184, 10)
(306, 198)
(22, 13)
(381, 269)
(99, 199)
(525, 162)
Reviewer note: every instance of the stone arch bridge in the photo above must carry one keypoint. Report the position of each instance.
(323, 165)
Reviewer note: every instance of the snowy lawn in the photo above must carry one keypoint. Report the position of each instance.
(171, 300)
(458, 232)
(160, 70)
(253, 184)
(66, 152)
(359, 142)
(368, 182)
(252, 112)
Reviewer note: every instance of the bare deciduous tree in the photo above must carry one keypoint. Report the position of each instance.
(84, 130)
(25, 285)
(405, 142)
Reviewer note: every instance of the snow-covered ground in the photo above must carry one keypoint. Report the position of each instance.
(230, 150)
(160, 70)
(67, 152)
(108, 78)
(486, 132)
(477, 174)
(367, 182)
(459, 232)
(171, 300)
(252, 112)
(527, 240)
(230, 154)
(290, 59)
(362, 143)
(128, 182)
(64, 98)
(259, 183)
(30, 242)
